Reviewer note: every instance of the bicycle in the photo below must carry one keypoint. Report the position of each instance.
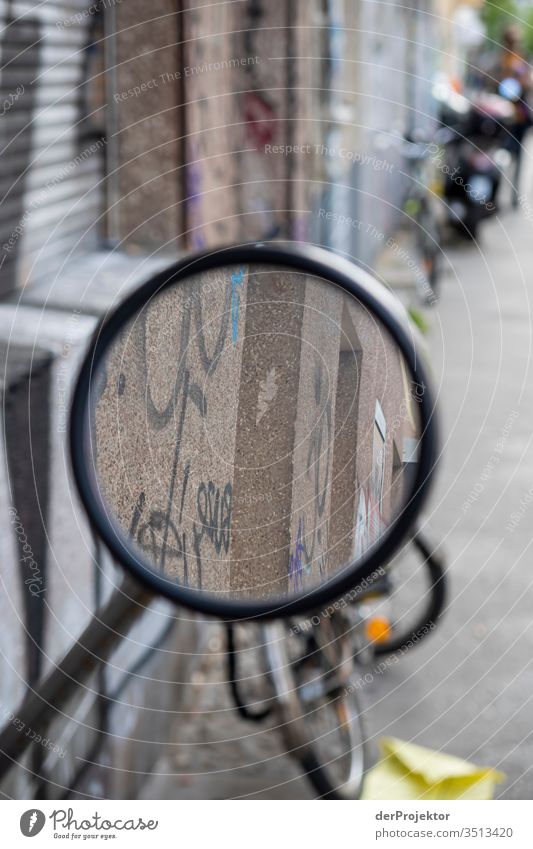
(306, 676)
(420, 208)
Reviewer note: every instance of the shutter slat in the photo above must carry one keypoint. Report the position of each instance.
(51, 156)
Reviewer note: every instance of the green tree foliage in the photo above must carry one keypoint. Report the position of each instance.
(498, 14)
(528, 31)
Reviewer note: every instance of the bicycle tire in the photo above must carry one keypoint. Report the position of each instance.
(241, 703)
(298, 718)
(429, 243)
(434, 608)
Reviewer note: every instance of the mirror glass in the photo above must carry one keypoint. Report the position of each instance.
(253, 430)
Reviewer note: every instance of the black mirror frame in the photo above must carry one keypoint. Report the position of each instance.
(305, 258)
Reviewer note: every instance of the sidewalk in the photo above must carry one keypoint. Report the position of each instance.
(469, 689)
(217, 755)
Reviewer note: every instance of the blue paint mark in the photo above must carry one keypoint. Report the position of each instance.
(193, 177)
(237, 279)
(296, 562)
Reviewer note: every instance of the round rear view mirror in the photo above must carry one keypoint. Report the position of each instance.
(252, 431)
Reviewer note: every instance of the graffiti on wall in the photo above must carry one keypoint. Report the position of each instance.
(188, 517)
(237, 278)
(311, 547)
(193, 199)
(369, 520)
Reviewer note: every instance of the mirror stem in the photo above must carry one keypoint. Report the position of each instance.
(94, 646)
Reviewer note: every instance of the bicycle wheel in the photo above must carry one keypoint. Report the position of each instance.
(429, 240)
(318, 707)
(415, 596)
(249, 685)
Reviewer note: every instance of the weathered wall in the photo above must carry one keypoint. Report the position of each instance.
(146, 123)
(216, 418)
(227, 82)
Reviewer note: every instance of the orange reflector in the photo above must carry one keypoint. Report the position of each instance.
(378, 629)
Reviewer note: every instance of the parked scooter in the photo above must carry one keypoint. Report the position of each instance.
(471, 151)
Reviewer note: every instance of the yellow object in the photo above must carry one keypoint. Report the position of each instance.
(407, 771)
(378, 629)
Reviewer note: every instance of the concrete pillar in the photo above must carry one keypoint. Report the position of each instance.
(145, 124)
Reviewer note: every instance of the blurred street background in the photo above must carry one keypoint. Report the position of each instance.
(394, 133)
(467, 690)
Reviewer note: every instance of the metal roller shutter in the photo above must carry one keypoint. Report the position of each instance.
(51, 135)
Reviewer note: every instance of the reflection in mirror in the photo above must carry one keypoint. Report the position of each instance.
(253, 431)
